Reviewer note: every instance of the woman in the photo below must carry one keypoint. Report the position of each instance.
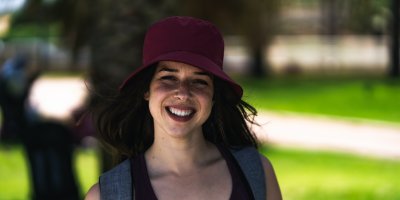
(179, 126)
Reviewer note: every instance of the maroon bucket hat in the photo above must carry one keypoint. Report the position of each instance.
(188, 40)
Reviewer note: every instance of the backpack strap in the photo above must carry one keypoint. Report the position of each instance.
(250, 162)
(116, 184)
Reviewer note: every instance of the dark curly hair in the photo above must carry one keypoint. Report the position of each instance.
(125, 125)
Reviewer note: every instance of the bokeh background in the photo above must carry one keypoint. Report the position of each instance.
(323, 74)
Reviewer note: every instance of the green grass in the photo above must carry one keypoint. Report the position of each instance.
(330, 176)
(14, 178)
(374, 98)
(13, 174)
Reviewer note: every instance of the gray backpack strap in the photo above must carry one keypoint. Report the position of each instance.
(249, 161)
(116, 184)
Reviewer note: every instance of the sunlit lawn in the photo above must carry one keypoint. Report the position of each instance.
(374, 98)
(331, 176)
(302, 175)
(14, 183)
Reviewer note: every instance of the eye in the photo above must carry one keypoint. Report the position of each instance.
(200, 82)
(168, 78)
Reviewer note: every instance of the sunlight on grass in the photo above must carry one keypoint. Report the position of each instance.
(361, 98)
(14, 183)
(87, 167)
(13, 174)
(322, 175)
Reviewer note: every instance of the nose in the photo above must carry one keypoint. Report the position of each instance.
(183, 91)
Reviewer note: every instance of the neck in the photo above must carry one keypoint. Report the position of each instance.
(179, 156)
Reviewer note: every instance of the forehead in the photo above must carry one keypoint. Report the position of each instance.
(177, 66)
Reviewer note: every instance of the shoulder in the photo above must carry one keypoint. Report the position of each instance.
(266, 163)
(93, 193)
(272, 185)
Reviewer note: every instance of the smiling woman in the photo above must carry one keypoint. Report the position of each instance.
(180, 99)
(178, 125)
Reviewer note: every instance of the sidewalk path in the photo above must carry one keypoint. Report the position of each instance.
(57, 97)
(365, 137)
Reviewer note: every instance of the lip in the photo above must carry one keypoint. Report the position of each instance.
(180, 118)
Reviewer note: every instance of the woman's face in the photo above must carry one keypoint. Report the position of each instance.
(180, 98)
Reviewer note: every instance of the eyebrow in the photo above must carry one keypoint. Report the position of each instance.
(167, 69)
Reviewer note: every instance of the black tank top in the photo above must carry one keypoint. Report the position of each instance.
(144, 191)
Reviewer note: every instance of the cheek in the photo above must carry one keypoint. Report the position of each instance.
(204, 93)
(206, 100)
(162, 88)
(153, 97)
(157, 95)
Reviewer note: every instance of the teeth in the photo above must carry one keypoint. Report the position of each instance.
(181, 113)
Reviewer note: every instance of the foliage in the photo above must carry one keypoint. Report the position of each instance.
(255, 20)
(33, 30)
(370, 98)
(369, 17)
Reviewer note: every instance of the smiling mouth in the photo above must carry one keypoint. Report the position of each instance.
(180, 114)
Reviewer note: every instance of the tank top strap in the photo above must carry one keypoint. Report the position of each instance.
(141, 180)
(240, 186)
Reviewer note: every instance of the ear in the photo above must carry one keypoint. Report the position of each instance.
(146, 96)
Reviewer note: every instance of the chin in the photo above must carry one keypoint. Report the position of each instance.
(182, 133)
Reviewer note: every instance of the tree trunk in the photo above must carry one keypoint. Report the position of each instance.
(257, 65)
(394, 52)
(116, 44)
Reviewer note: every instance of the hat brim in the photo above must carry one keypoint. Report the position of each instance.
(193, 59)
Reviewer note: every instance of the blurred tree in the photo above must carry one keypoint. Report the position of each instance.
(117, 37)
(37, 11)
(394, 44)
(371, 17)
(255, 20)
(365, 17)
(84, 23)
(76, 26)
(72, 17)
(356, 16)
(361, 14)
(116, 42)
(258, 23)
(41, 14)
(331, 17)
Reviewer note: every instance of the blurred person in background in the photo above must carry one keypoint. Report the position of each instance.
(178, 125)
(15, 85)
(47, 143)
